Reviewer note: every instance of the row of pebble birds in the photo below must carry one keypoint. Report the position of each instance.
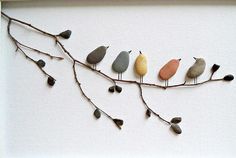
(121, 64)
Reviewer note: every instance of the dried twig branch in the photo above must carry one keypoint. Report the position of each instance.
(17, 44)
(41, 52)
(118, 122)
(149, 110)
(89, 100)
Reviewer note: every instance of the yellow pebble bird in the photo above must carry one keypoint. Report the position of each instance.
(141, 65)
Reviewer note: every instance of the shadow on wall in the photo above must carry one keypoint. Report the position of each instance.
(74, 3)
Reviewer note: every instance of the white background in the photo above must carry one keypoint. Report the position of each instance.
(38, 121)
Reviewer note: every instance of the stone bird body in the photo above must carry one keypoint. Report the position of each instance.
(121, 63)
(169, 70)
(141, 66)
(96, 55)
(197, 69)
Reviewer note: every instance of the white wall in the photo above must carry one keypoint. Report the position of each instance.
(58, 122)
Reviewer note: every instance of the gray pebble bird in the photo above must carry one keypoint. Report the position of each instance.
(197, 69)
(96, 55)
(121, 63)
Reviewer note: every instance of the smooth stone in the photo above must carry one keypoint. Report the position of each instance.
(51, 81)
(176, 120)
(228, 77)
(141, 65)
(215, 67)
(169, 69)
(97, 113)
(121, 62)
(96, 55)
(118, 122)
(41, 63)
(111, 89)
(148, 113)
(176, 128)
(66, 34)
(197, 69)
(118, 89)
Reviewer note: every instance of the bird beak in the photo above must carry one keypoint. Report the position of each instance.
(140, 52)
(107, 47)
(130, 51)
(179, 59)
(195, 58)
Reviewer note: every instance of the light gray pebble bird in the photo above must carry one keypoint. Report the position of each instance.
(96, 55)
(196, 69)
(121, 63)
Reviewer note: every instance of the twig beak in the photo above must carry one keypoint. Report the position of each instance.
(130, 51)
(107, 47)
(195, 58)
(179, 59)
(140, 52)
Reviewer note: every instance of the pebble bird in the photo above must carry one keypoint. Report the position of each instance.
(141, 65)
(96, 55)
(197, 69)
(169, 70)
(121, 63)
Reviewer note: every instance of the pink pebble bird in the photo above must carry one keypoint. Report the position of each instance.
(169, 70)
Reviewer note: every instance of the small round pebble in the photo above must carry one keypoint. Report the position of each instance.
(176, 120)
(118, 89)
(111, 89)
(41, 63)
(51, 81)
(65, 34)
(176, 128)
(97, 113)
(228, 78)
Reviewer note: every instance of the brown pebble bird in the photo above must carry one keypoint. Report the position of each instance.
(169, 70)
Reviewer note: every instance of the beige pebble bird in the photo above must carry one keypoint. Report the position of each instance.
(141, 65)
(197, 69)
(169, 70)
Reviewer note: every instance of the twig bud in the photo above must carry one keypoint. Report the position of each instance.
(228, 77)
(148, 113)
(41, 63)
(111, 89)
(66, 34)
(118, 89)
(176, 120)
(51, 81)
(97, 113)
(176, 128)
(118, 122)
(215, 67)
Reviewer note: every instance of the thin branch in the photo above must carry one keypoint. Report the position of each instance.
(89, 100)
(147, 107)
(19, 48)
(27, 24)
(41, 52)
(17, 43)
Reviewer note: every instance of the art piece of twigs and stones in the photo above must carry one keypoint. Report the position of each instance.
(120, 65)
